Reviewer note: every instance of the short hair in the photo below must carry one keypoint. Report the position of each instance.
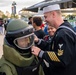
(30, 18)
(37, 21)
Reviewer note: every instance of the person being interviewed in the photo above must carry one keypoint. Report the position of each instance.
(62, 53)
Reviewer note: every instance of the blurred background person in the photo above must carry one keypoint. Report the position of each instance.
(51, 31)
(36, 22)
(1, 26)
(30, 21)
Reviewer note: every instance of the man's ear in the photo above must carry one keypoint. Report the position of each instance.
(54, 14)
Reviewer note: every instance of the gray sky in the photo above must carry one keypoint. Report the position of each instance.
(5, 5)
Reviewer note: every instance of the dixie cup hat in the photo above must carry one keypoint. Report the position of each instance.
(51, 8)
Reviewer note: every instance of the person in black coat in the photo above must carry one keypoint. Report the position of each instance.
(30, 21)
(36, 22)
(62, 53)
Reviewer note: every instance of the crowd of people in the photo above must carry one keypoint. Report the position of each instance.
(28, 50)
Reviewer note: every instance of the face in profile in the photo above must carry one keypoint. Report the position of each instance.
(49, 18)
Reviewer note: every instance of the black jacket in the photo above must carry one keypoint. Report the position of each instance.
(62, 54)
(39, 33)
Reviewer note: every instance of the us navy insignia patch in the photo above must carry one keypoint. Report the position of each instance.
(60, 51)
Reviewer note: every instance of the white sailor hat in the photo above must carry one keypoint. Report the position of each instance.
(51, 8)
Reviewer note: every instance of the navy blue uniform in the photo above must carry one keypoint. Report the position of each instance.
(62, 54)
